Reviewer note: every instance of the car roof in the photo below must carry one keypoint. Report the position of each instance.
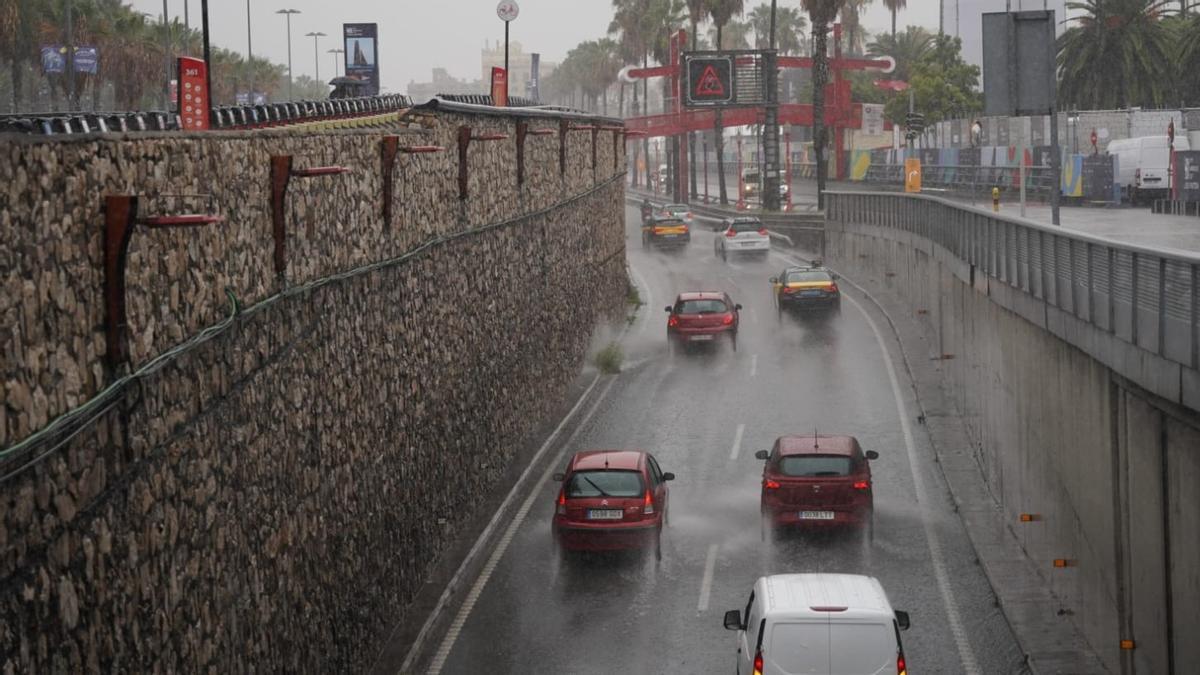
(701, 295)
(796, 596)
(816, 444)
(744, 219)
(684, 207)
(599, 460)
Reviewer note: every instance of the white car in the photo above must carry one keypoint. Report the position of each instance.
(743, 235)
(818, 623)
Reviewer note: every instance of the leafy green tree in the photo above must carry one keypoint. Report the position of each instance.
(1117, 53)
(895, 6)
(789, 28)
(1187, 37)
(943, 85)
(853, 32)
(907, 48)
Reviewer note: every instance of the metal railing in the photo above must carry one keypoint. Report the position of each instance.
(1142, 295)
(968, 178)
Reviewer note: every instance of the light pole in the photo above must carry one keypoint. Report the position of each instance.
(335, 53)
(249, 52)
(316, 36)
(288, 13)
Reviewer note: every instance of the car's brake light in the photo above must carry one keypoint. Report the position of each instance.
(562, 503)
(833, 288)
(901, 667)
(769, 484)
(862, 485)
(789, 289)
(689, 214)
(648, 504)
(727, 320)
(730, 233)
(685, 229)
(672, 321)
(762, 231)
(758, 663)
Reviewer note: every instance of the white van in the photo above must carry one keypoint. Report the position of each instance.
(1142, 165)
(834, 624)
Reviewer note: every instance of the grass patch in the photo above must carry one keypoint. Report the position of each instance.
(608, 360)
(632, 296)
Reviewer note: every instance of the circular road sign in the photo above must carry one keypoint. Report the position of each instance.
(507, 10)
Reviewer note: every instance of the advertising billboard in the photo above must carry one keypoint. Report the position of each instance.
(193, 93)
(361, 42)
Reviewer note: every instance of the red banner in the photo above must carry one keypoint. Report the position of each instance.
(499, 87)
(193, 94)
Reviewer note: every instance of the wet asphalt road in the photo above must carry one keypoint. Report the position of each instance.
(542, 612)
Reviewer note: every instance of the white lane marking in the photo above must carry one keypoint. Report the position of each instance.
(464, 612)
(475, 551)
(647, 302)
(710, 564)
(965, 653)
(737, 442)
(753, 365)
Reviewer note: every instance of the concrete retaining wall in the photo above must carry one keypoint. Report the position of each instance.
(1108, 470)
(274, 497)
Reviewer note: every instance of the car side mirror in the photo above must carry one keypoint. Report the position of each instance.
(737, 307)
(667, 475)
(833, 276)
(774, 280)
(902, 620)
(733, 620)
(558, 477)
(871, 454)
(762, 454)
(667, 309)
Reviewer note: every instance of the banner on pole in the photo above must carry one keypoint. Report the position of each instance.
(193, 93)
(362, 54)
(499, 87)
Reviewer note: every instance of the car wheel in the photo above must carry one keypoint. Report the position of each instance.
(658, 545)
(724, 256)
(733, 340)
(767, 530)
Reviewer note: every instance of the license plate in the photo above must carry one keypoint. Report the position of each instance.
(605, 514)
(816, 515)
(668, 236)
(700, 338)
(812, 294)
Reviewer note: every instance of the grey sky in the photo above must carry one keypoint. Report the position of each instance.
(414, 37)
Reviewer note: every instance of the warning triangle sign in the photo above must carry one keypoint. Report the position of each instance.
(710, 83)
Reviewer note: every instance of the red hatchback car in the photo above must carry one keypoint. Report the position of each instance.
(610, 500)
(702, 317)
(817, 481)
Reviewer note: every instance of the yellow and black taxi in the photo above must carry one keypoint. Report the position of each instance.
(806, 288)
(665, 231)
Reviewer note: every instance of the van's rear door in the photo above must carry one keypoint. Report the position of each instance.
(796, 647)
(862, 648)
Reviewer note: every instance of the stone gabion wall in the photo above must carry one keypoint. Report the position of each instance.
(275, 496)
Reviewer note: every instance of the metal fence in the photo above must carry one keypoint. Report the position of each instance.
(969, 178)
(1145, 296)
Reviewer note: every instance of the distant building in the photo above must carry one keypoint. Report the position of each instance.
(443, 83)
(964, 19)
(518, 65)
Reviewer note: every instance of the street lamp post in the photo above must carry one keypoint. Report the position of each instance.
(316, 36)
(249, 52)
(288, 13)
(335, 53)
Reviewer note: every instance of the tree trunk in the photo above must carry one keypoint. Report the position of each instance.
(893, 28)
(636, 145)
(719, 138)
(650, 170)
(820, 74)
(621, 100)
(692, 137)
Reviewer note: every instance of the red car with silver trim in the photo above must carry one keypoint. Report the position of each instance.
(816, 481)
(610, 500)
(702, 317)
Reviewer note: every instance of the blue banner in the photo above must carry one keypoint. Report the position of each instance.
(87, 60)
(54, 59)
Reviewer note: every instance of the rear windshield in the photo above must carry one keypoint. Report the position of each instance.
(700, 306)
(750, 226)
(798, 276)
(668, 222)
(815, 465)
(677, 208)
(605, 484)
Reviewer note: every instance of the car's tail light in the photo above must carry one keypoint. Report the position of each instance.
(648, 504)
(562, 503)
(762, 231)
(862, 485)
(758, 663)
(833, 288)
(901, 667)
(727, 320)
(730, 233)
(769, 484)
(788, 289)
(672, 321)
(689, 215)
(685, 229)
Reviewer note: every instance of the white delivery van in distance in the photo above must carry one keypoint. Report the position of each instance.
(1142, 165)
(832, 624)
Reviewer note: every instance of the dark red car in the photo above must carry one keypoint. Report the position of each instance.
(817, 481)
(610, 500)
(702, 317)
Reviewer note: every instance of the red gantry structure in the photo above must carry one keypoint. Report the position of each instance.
(841, 112)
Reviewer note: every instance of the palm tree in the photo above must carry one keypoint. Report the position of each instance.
(1117, 54)
(736, 35)
(630, 25)
(696, 13)
(1188, 37)
(821, 13)
(893, 7)
(906, 48)
(789, 28)
(852, 25)
(665, 18)
(721, 11)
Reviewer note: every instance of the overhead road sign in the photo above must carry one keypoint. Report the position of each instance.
(710, 80)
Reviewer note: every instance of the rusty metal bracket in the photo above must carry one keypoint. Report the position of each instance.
(595, 131)
(282, 173)
(522, 130)
(616, 138)
(563, 127)
(389, 147)
(120, 221)
(465, 136)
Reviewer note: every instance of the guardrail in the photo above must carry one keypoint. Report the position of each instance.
(1144, 296)
(1038, 179)
(223, 117)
